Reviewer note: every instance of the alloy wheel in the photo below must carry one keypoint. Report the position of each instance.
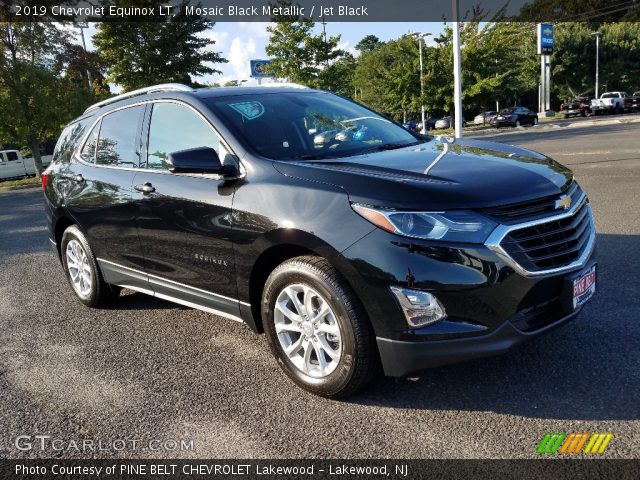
(78, 268)
(307, 330)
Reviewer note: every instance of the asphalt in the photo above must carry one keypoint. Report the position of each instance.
(147, 369)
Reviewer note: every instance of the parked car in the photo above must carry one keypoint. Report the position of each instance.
(577, 106)
(13, 165)
(446, 122)
(413, 125)
(431, 124)
(514, 117)
(632, 103)
(345, 254)
(484, 117)
(609, 102)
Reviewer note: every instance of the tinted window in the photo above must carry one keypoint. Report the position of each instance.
(287, 125)
(117, 142)
(88, 152)
(69, 139)
(174, 128)
(12, 155)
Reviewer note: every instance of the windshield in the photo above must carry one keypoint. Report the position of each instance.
(297, 125)
(507, 110)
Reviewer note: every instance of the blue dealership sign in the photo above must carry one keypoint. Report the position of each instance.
(258, 68)
(545, 39)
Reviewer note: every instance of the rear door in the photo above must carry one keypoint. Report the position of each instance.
(183, 220)
(100, 198)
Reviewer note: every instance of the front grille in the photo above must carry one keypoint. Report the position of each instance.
(552, 244)
(532, 208)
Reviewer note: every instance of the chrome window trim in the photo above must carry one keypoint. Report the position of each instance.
(501, 231)
(223, 142)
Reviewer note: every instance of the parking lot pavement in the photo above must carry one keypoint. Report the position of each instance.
(147, 369)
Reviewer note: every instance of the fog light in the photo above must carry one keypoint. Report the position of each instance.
(419, 308)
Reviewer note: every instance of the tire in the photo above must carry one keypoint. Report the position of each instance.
(89, 287)
(342, 337)
(566, 116)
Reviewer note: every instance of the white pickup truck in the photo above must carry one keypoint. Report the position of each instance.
(610, 102)
(13, 165)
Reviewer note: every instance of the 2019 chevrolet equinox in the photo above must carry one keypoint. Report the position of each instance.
(353, 243)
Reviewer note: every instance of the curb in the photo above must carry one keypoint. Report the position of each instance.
(542, 127)
(18, 187)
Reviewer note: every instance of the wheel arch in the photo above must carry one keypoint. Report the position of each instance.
(279, 247)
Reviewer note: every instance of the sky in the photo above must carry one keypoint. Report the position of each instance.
(240, 42)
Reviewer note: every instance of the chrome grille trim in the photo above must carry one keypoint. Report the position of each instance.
(501, 231)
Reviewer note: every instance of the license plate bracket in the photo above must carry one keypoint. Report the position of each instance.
(579, 288)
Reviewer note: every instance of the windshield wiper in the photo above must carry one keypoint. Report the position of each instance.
(314, 156)
(388, 146)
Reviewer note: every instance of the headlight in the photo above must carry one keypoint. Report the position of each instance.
(454, 226)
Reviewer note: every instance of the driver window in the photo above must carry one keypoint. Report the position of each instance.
(175, 127)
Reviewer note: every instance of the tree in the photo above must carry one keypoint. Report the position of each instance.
(145, 53)
(29, 87)
(368, 44)
(387, 78)
(300, 56)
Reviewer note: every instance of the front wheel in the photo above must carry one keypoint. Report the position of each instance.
(317, 329)
(82, 270)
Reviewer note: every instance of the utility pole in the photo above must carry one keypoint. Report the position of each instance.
(82, 26)
(457, 71)
(597, 34)
(420, 36)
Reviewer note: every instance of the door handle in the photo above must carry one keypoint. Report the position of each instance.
(145, 188)
(77, 178)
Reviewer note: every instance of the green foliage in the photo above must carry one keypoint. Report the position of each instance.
(368, 44)
(302, 57)
(387, 78)
(35, 100)
(147, 53)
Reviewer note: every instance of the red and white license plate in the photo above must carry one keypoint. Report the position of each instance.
(584, 287)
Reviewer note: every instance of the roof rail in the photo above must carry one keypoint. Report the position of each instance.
(281, 85)
(164, 87)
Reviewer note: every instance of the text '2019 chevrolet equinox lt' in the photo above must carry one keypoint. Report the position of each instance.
(353, 243)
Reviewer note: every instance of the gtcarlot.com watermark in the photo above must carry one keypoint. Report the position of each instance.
(47, 443)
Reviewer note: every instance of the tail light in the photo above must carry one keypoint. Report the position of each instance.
(581, 105)
(561, 107)
(44, 178)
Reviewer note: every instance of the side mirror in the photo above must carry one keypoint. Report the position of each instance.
(199, 160)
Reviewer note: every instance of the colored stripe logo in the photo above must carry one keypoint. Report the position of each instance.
(573, 443)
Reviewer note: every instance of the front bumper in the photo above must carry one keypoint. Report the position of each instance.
(490, 305)
(402, 358)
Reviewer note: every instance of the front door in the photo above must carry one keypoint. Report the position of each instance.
(183, 219)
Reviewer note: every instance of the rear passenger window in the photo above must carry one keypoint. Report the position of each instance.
(88, 152)
(173, 128)
(118, 138)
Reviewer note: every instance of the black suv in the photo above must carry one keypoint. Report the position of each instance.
(351, 242)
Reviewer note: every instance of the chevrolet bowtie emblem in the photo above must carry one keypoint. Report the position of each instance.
(563, 202)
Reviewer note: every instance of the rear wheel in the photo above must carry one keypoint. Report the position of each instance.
(317, 329)
(82, 270)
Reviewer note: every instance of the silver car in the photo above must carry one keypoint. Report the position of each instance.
(483, 118)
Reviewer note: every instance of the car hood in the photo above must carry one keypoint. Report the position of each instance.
(469, 174)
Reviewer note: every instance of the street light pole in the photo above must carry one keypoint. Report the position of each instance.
(457, 71)
(597, 34)
(420, 36)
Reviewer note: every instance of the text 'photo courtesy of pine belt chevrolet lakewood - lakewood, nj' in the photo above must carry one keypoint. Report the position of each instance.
(357, 246)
